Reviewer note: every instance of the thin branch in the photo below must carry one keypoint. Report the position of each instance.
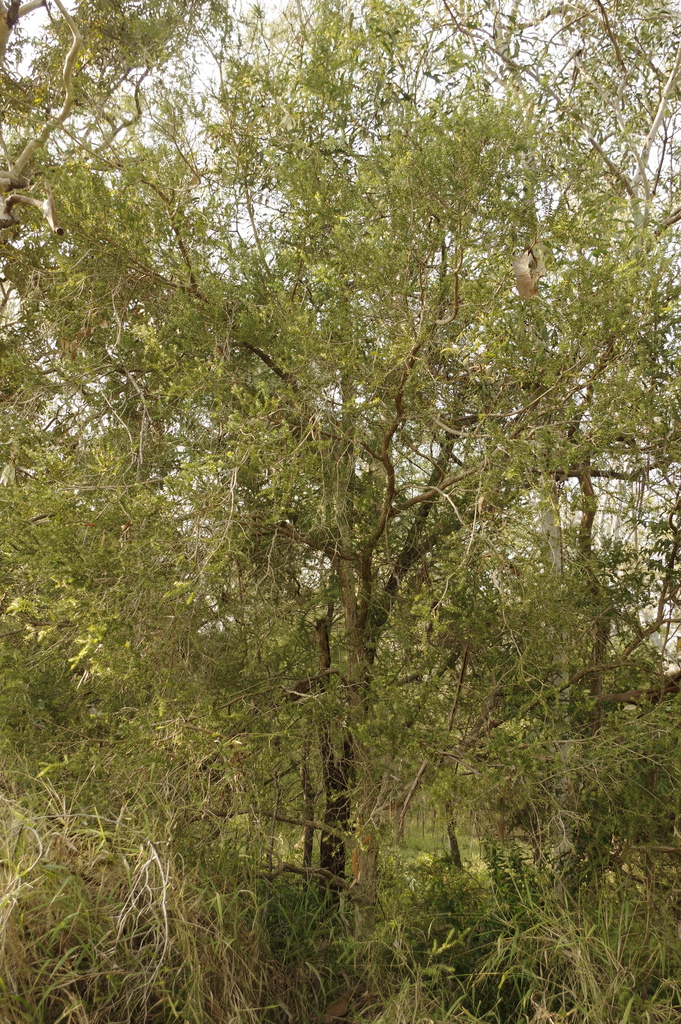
(611, 36)
(211, 732)
(384, 456)
(661, 111)
(433, 492)
(673, 218)
(609, 666)
(103, 146)
(286, 529)
(410, 793)
(462, 673)
(38, 625)
(318, 826)
(612, 167)
(270, 362)
(305, 872)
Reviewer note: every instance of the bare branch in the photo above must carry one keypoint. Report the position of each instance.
(622, 661)
(611, 36)
(672, 80)
(410, 792)
(305, 872)
(36, 143)
(673, 218)
(8, 218)
(433, 492)
(108, 141)
(318, 826)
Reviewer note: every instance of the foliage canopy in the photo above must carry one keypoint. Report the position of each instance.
(305, 508)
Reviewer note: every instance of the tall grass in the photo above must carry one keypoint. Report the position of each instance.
(506, 946)
(102, 921)
(98, 924)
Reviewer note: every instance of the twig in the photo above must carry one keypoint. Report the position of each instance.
(410, 792)
(462, 673)
(305, 823)
(212, 732)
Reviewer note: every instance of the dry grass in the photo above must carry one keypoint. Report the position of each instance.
(98, 926)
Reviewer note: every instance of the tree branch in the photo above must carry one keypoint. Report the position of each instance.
(47, 208)
(271, 363)
(609, 666)
(9, 16)
(661, 111)
(318, 826)
(673, 218)
(431, 492)
(67, 77)
(305, 872)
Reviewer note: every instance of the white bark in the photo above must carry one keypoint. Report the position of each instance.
(8, 217)
(9, 15)
(672, 80)
(14, 177)
(67, 77)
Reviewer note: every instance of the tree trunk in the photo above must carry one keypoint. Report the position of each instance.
(601, 628)
(454, 851)
(365, 871)
(336, 771)
(561, 825)
(308, 803)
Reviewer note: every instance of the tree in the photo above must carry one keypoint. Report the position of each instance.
(304, 466)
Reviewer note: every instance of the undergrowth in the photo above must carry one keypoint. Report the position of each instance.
(102, 921)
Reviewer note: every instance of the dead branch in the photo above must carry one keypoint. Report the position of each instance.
(305, 872)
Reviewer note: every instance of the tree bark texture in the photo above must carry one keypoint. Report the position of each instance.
(336, 772)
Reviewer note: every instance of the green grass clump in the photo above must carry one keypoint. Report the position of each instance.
(509, 945)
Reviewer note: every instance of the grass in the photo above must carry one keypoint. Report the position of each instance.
(107, 920)
(98, 925)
